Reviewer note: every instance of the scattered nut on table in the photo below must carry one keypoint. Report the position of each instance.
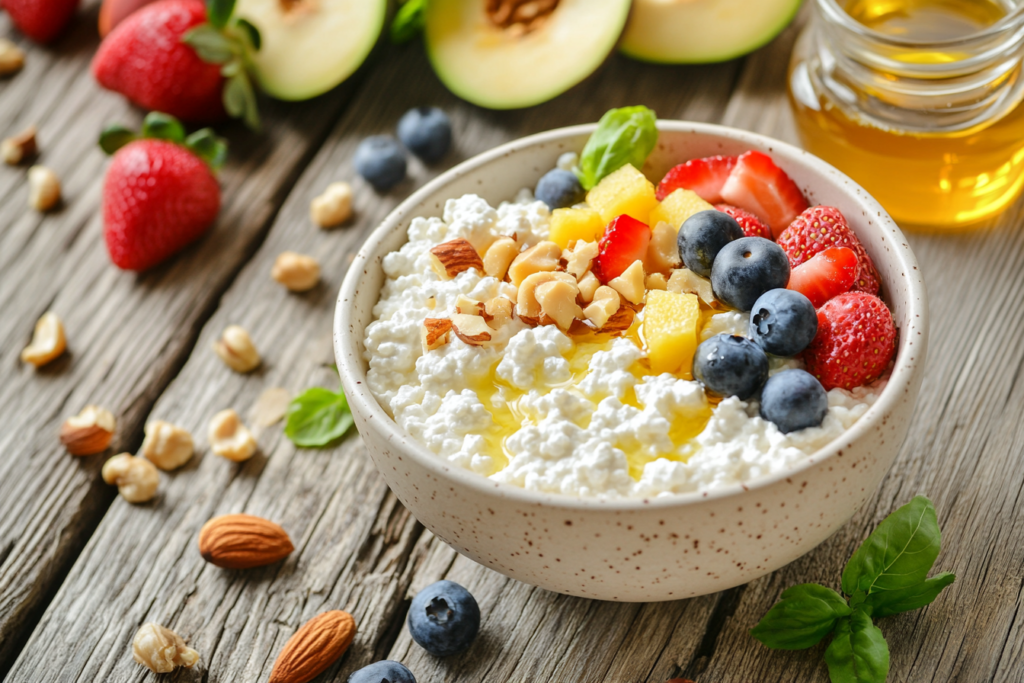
(12, 58)
(43, 188)
(161, 650)
(229, 438)
(297, 272)
(48, 341)
(136, 478)
(89, 432)
(236, 349)
(166, 445)
(20, 147)
(333, 207)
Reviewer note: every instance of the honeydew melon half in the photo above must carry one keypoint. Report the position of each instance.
(700, 31)
(310, 46)
(484, 56)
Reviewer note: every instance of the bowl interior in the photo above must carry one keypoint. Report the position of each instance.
(499, 174)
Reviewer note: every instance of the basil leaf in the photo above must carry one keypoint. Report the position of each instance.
(805, 614)
(887, 603)
(317, 417)
(114, 137)
(212, 46)
(160, 126)
(409, 21)
(858, 652)
(623, 136)
(898, 554)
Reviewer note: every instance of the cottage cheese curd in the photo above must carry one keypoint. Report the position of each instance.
(537, 409)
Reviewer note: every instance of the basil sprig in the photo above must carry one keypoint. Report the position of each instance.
(317, 417)
(623, 136)
(886, 576)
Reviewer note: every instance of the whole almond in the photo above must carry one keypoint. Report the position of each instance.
(319, 643)
(243, 541)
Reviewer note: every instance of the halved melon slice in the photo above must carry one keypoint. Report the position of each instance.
(310, 46)
(506, 54)
(699, 31)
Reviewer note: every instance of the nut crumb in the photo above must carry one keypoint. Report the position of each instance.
(89, 432)
(297, 272)
(12, 58)
(236, 349)
(333, 207)
(48, 341)
(229, 438)
(136, 478)
(161, 650)
(20, 147)
(43, 188)
(166, 445)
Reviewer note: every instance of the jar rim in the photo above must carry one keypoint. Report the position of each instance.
(838, 15)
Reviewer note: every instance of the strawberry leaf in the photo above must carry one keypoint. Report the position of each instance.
(409, 21)
(252, 34)
(116, 136)
(239, 96)
(212, 46)
(160, 126)
(218, 12)
(208, 147)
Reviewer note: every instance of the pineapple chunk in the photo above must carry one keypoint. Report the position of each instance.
(626, 191)
(677, 207)
(575, 224)
(671, 323)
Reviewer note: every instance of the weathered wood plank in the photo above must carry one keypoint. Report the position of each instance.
(356, 550)
(127, 334)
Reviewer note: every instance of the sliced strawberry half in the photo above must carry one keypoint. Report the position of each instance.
(625, 240)
(704, 176)
(827, 275)
(751, 224)
(757, 185)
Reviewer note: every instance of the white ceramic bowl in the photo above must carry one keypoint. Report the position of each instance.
(668, 547)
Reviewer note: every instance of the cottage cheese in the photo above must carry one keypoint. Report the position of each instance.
(537, 410)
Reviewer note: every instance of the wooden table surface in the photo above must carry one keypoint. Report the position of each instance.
(80, 569)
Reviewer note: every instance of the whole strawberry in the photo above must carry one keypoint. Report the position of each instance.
(41, 20)
(160, 193)
(182, 58)
(856, 339)
(751, 224)
(820, 228)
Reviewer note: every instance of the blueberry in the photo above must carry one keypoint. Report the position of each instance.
(702, 236)
(747, 268)
(444, 618)
(381, 161)
(783, 322)
(730, 365)
(794, 399)
(427, 131)
(560, 189)
(384, 671)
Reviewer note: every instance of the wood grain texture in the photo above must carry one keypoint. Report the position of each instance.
(127, 334)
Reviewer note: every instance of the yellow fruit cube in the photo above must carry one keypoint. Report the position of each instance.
(671, 323)
(677, 207)
(626, 191)
(575, 224)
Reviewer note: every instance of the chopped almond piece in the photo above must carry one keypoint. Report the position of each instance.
(685, 281)
(499, 310)
(527, 305)
(620, 322)
(656, 281)
(434, 333)
(578, 260)
(663, 250)
(631, 283)
(454, 257)
(588, 284)
(499, 257)
(558, 301)
(606, 304)
(542, 257)
(471, 329)
(464, 304)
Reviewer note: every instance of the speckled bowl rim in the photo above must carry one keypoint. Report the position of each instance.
(348, 348)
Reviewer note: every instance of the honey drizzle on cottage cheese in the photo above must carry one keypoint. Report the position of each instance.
(537, 409)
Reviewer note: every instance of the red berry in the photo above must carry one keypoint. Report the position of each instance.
(144, 59)
(41, 20)
(826, 275)
(625, 240)
(856, 339)
(819, 228)
(703, 176)
(113, 12)
(751, 224)
(158, 197)
(757, 185)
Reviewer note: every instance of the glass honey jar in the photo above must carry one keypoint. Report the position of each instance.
(919, 101)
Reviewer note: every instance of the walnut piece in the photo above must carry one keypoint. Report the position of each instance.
(20, 147)
(136, 478)
(166, 445)
(606, 303)
(499, 257)
(161, 650)
(434, 333)
(43, 188)
(542, 257)
(48, 341)
(297, 272)
(471, 329)
(631, 283)
(236, 349)
(333, 207)
(454, 257)
(229, 438)
(579, 260)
